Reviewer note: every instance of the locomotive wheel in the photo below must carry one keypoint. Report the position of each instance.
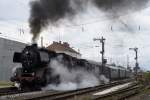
(46, 76)
(57, 79)
(49, 78)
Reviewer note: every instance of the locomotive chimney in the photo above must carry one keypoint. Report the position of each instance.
(66, 44)
(41, 41)
(34, 45)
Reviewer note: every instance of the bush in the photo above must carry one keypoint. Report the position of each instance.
(147, 78)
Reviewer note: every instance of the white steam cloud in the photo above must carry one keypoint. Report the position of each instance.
(71, 79)
(14, 68)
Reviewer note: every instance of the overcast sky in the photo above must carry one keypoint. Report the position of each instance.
(80, 32)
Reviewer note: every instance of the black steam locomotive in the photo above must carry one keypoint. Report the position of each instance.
(36, 71)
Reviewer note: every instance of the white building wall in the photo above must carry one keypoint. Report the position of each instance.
(7, 49)
(70, 53)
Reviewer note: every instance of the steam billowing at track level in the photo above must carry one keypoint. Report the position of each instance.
(75, 78)
(46, 69)
(50, 12)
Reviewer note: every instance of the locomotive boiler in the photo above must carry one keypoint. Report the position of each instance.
(36, 71)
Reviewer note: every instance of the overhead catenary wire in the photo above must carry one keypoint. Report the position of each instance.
(98, 20)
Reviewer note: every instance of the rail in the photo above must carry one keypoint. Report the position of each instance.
(69, 94)
(120, 94)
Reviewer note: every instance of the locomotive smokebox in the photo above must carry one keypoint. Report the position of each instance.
(17, 57)
(33, 57)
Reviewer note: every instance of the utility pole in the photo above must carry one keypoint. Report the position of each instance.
(21, 31)
(128, 65)
(102, 41)
(136, 59)
(127, 61)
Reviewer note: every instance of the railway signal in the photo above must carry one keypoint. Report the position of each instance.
(136, 68)
(102, 41)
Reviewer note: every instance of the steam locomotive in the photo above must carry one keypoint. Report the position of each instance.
(36, 71)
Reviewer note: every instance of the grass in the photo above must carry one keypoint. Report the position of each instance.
(146, 90)
(5, 84)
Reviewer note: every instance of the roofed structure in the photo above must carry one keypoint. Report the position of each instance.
(64, 47)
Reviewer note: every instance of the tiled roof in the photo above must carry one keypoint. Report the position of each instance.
(58, 46)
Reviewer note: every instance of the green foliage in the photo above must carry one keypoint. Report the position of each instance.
(147, 90)
(5, 84)
(147, 77)
(147, 74)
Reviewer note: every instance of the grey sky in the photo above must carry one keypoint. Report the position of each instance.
(14, 9)
(15, 13)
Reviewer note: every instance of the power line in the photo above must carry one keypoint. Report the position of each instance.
(101, 20)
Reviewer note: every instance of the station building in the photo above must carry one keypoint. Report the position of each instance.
(64, 47)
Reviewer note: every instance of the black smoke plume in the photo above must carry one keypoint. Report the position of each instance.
(45, 12)
(120, 6)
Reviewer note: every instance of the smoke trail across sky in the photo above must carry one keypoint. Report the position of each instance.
(45, 12)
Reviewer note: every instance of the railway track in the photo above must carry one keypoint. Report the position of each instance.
(8, 90)
(49, 95)
(12, 90)
(121, 94)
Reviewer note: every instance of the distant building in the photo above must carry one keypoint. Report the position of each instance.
(64, 47)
